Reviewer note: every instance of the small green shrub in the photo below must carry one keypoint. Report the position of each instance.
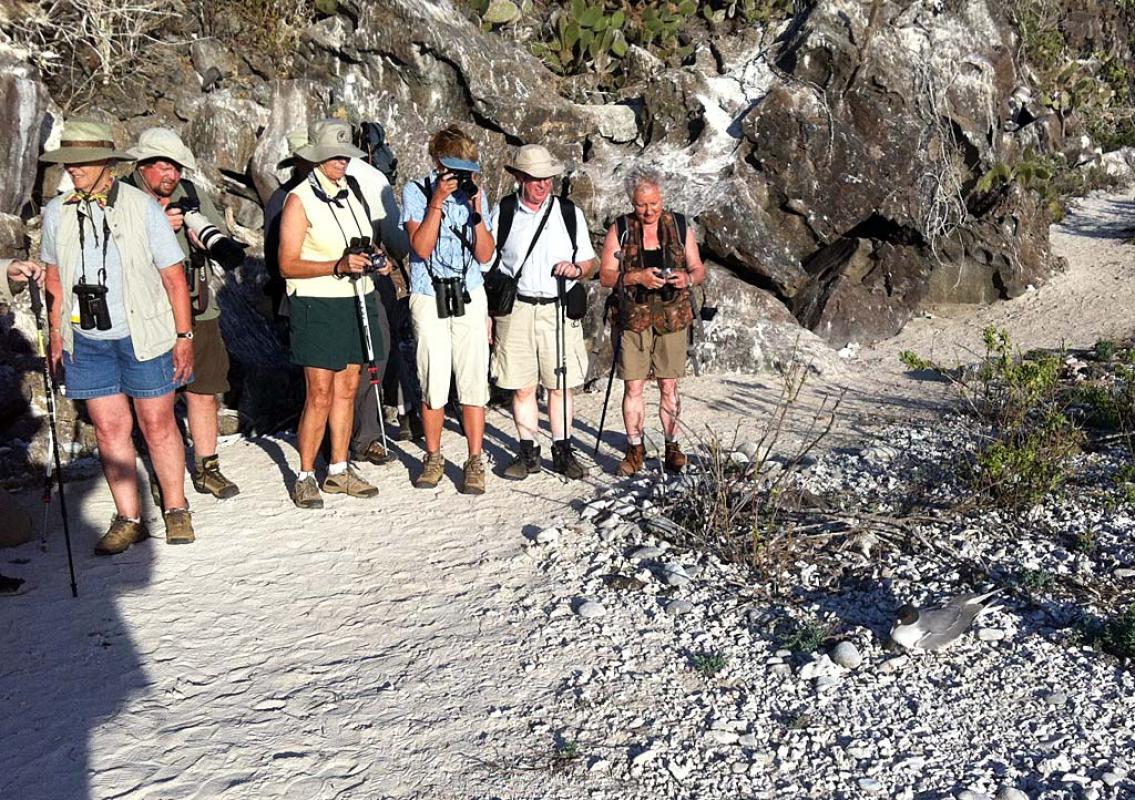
(1104, 350)
(805, 637)
(1035, 581)
(709, 664)
(1114, 634)
(1085, 542)
(1020, 469)
(568, 750)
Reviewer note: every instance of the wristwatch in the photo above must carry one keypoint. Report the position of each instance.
(186, 335)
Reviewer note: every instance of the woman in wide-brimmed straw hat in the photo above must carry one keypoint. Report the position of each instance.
(321, 218)
(120, 324)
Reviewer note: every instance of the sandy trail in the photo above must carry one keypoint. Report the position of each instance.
(379, 649)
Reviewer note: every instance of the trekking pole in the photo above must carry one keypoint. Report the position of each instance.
(372, 365)
(561, 349)
(49, 393)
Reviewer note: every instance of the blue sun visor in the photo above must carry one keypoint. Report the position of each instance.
(460, 164)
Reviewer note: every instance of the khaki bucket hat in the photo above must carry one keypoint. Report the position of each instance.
(328, 138)
(535, 161)
(85, 140)
(165, 144)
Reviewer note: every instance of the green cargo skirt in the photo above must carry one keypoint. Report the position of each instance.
(326, 331)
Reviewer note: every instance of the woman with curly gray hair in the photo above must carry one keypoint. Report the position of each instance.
(650, 259)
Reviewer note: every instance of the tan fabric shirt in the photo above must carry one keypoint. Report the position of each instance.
(327, 225)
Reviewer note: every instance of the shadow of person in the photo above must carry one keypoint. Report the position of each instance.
(68, 666)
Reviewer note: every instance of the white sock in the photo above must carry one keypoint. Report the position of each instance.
(634, 440)
(303, 476)
(338, 468)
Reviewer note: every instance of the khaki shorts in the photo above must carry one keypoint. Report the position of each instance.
(653, 355)
(525, 348)
(210, 359)
(457, 345)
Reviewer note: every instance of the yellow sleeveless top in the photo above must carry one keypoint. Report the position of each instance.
(327, 224)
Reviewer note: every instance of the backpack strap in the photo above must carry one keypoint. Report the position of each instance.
(621, 225)
(682, 225)
(567, 211)
(504, 219)
(357, 191)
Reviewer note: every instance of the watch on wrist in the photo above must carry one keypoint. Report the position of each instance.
(185, 335)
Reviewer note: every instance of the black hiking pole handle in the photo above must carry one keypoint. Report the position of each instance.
(49, 394)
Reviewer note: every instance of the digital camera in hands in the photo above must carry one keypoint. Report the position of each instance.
(225, 250)
(462, 171)
(362, 246)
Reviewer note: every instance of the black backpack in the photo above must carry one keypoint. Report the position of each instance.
(508, 206)
(372, 139)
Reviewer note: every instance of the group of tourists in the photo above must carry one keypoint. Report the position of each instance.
(495, 292)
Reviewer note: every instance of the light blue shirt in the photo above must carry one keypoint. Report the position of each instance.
(163, 248)
(450, 258)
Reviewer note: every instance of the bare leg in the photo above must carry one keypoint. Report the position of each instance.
(633, 411)
(316, 409)
(342, 416)
(201, 409)
(473, 417)
(432, 421)
(113, 427)
(167, 450)
(669, 407)
(526, 413)
(556, 414)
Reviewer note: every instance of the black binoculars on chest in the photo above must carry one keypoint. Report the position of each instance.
(451, 296)
(93, 310)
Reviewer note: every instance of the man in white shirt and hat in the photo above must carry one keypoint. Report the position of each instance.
(538, 247)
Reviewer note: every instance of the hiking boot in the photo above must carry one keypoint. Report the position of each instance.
(208, 479)
(375, 453)
(474, 482)
(10, 587)
(350, 483)
(632, 461)
(675, 458)
(404, 432)
(122, 533)
(179, 526)
(565, 462)
(527, 461)
(433, 467)
(305, 494)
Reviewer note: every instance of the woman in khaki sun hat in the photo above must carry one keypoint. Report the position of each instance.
(120, 324)
(322, 215)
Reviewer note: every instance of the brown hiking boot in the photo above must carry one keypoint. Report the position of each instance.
(527, 461)
(179, 526)
(305, 494)
(375, 453)
(350, 483)
(675, 458)
(433, 467)
(208, 479)
(155, 489)
(632, 461)
(474, 482)
(123, 532)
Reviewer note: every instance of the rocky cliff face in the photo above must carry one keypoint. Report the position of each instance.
(830, 163)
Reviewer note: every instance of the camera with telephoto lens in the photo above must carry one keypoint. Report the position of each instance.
(361, 246)
(93, 311)
(451, 297)
(226, 251)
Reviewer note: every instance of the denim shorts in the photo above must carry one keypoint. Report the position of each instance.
(105, 367)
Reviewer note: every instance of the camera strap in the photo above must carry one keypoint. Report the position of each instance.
(334, 202)
(467, 255)
(83, 241)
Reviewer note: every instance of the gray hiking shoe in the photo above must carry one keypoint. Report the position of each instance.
(350, 483)
(305, 494)
(433, 468)
(208, 479)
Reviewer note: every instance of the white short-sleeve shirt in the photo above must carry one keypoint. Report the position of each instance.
(553, 246)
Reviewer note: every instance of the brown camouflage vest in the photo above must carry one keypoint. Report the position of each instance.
(665, 317)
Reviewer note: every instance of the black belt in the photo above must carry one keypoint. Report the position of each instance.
(536, 301)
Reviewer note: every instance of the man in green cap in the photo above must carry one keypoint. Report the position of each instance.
(120, 325)
(162, 159)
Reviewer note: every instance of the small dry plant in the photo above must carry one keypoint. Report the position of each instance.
(742, 503)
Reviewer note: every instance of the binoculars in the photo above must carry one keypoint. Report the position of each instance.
(93, 311)
(451, 297)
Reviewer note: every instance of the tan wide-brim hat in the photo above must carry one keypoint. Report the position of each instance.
(328, 138)
(296, 140)
(83, 141)
(163, 143)
(535, 161)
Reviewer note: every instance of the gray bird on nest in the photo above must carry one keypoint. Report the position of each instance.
(936, 627)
